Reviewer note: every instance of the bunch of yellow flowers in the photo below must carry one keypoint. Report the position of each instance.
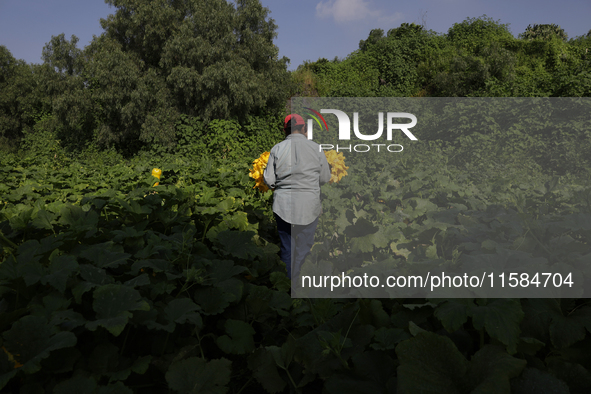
(336, 161)
(257, 171)
(337, 165)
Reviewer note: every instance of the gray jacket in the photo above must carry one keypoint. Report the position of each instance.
(296, 169)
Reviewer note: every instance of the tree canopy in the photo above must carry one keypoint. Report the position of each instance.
(160, 59)
(162, 67)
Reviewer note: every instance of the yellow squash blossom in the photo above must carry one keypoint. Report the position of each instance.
(337, 165)
(336, 161)
(11, 358)
(156, 172)
(257, 171)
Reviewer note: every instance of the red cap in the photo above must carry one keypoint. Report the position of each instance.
(295, 119)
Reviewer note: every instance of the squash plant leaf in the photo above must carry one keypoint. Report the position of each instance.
(197, 376)
(545, 317)
(453, 313)
(78, 384)
(183, 310)
(264, 368)
(361, 228)
(112, 304)
(44, 220)
(239, 339)
(430, 363)
(387, 338)
(238, 244)
(501, 319)
(31, 339)
(77, 219)
(60, 269)
(491, 369)
(534, 381)
(116, 388)
(105, 255)
(212, 300)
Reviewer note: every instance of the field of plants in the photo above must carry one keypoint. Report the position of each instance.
(112, 284)
(109, 284)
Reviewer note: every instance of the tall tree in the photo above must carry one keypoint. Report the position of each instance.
(374, 36)
(159, 59)
(63, 55)
(24, 97)
(544, 32)
(12, 77)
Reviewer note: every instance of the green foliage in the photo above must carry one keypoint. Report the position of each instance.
(397, 58)
(24, 99)
(374, 36)
(63, 55)
(490, 74)
(222, 139)
(108, 284)
(124, 286)
(352, 77)
(472, 32)
(478, 57)
(218, 59)
(543, 32)
(156, 61)
(150, 262)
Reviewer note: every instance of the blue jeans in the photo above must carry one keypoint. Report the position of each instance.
(304, 234)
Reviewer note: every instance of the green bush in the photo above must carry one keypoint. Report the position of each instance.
(227, 139)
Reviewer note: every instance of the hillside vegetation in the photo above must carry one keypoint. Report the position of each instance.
(109, 284)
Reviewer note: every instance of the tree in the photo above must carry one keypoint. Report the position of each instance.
(375, 35)
(474, 34)
(543, 32)
(405, 29)
(159, 59)
(63, 55)
(218, 59)
(24, 98)
(12, 77)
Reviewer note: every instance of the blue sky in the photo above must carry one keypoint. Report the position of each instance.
(307, 29)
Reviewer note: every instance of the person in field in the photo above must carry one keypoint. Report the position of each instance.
(295, 171)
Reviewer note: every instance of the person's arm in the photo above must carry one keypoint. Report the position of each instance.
(269, 174)
(325, 170)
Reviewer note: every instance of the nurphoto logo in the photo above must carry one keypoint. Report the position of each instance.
(345, 129)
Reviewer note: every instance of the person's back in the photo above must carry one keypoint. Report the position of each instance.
(295, 171)
(298, 165)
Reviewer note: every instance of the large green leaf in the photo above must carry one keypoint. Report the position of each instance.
(183, 310)
(361, 228)
(501, 319)
(534, 381)
(238, 244)
(430, 363)
(239, 339)
(112, 304)
(491, 369)
(264, 368)
(545, 317)
(31, 339)
(388, 338)
(106, 255)
(79, 220)
(453, 313)
(212, 300)
(198, 376)
(44, 220)
(373, 372)
(60, 269)
(77, 384)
